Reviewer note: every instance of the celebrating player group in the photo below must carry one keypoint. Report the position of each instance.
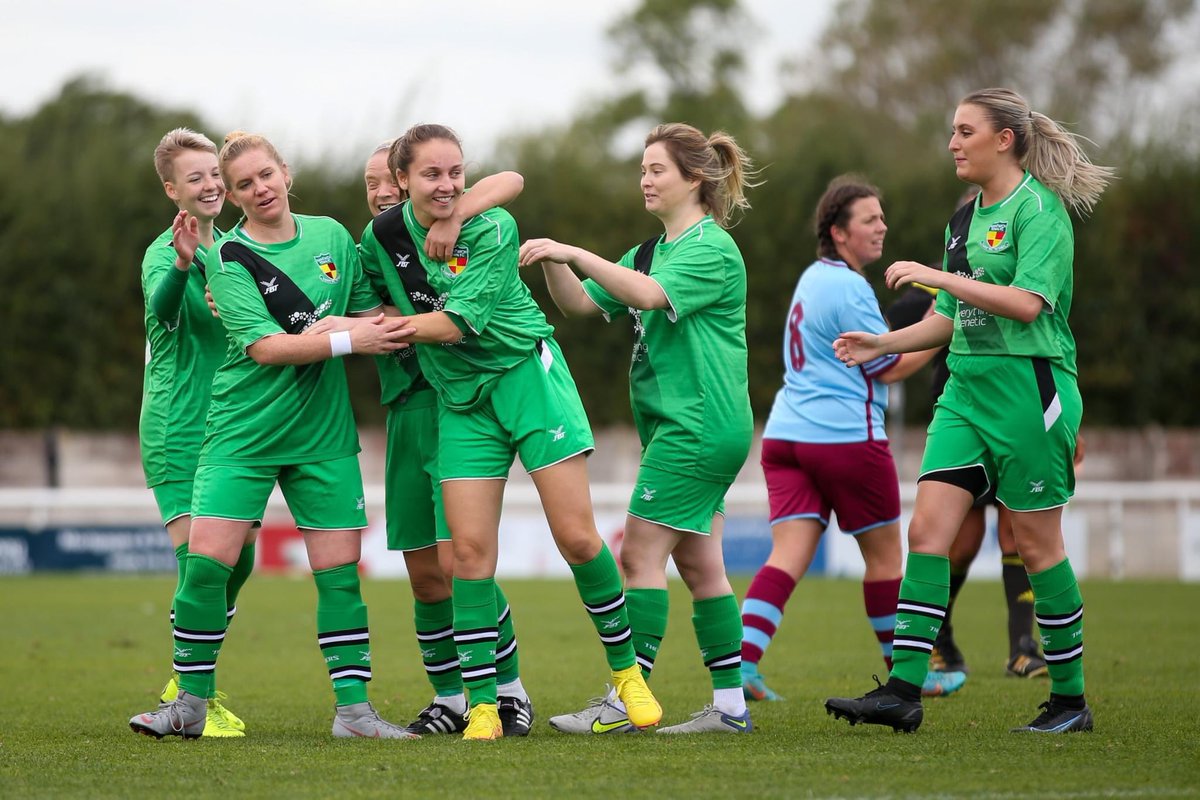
(245, 390)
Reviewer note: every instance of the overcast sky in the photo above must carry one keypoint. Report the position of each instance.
(323, 82)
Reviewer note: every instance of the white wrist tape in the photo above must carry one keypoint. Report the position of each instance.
(339, 343)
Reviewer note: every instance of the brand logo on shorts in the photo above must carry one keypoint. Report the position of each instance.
(329, 270)
(269, 287)
(401, 260)
(994, 240)
(558, 433)
(1036, 487)
(360, 504)
(648, 493)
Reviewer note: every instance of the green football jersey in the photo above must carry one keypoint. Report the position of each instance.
(479, 287)
(687, 376)
(399, 371)
(290, 414)
(1026, 240)
(182, 353)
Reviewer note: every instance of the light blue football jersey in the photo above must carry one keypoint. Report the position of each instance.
(822, 400)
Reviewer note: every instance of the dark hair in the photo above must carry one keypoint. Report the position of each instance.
(722, 167)
(833, 209)
(401, 154)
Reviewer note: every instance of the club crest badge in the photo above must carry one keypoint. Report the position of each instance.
(329, 270)
(995, 240)
(457, 262)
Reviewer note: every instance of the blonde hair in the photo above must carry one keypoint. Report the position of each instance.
(1050, 152)
(239, 142)
(175, 142)
(722, 167)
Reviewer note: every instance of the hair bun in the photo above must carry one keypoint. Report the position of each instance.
(233, 136)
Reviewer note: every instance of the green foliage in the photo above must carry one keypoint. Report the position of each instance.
(88, 652)
(79, 200)
(79, 203)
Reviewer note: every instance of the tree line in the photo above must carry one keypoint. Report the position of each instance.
(79, 201)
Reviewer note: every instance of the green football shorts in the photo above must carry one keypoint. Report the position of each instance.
(174, 499)
(682, 502)
(415, 519)
(534, 411)
(323, 495)
(1014, 417)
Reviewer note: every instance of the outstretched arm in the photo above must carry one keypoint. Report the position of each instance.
(567, 291)
(372, 337)
(626, 285)
(908, 364)
(854, 348)
(1003, 301)
(436, 327)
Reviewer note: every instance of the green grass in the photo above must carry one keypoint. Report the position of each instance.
(83, 654)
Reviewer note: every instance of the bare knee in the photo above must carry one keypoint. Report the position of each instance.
(474, 558)
(881, 552)
(429, 583)
(577, 540)
(702, 569)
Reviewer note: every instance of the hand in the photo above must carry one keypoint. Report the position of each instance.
(902, 273)
(380, 334)
(537, 250)
(442, 236)
(185, 235)
(212, 304)
(333, 323)
(855, 348)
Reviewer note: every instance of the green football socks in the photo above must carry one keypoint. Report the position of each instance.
(342, 632)
(924, 594)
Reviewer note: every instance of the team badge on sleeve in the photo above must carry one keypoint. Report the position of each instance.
(329, 270)
(457, 262)
(994, 240)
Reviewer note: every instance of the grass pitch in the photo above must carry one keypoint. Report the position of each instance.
(85, 653)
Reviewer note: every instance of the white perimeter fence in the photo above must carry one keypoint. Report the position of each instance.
(1112, 529)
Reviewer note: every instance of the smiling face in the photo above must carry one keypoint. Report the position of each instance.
(979, 150)
(434, 180)
(196, 185)
(861, 241)
(664, 188)
(259, 186)
(382, 191)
